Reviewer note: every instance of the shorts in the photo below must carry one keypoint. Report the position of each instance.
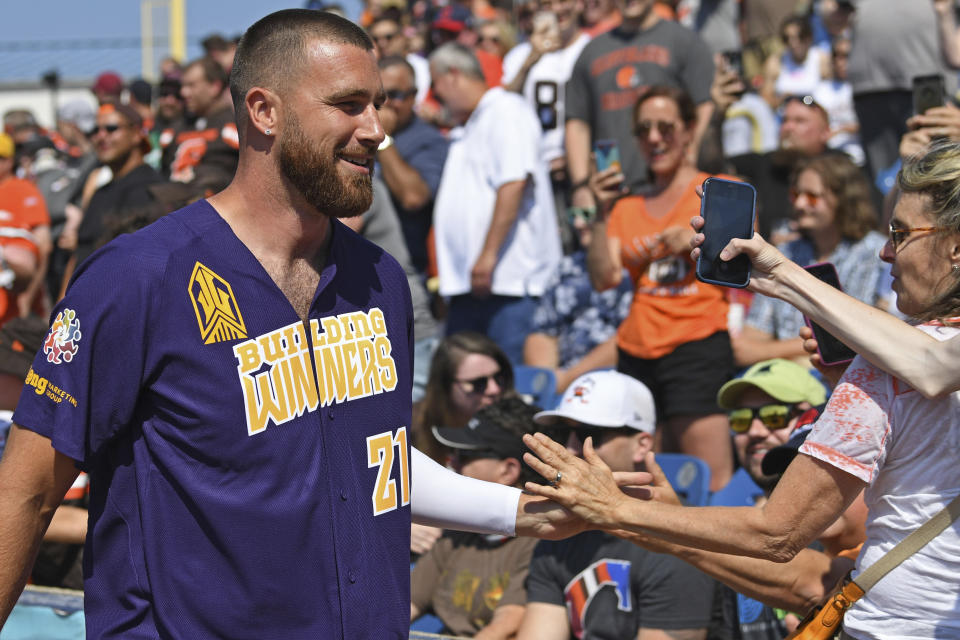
(686, 380)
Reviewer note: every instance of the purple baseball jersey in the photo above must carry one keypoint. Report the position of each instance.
(249, 473)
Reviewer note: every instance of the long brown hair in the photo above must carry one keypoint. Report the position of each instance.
(435, 409)
(854, 213)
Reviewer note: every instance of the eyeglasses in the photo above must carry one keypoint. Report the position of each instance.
(479, 385)
(665, 129)
(489, 38)
(898, 235)
(813, 198)
(773, 417)
(399, 94)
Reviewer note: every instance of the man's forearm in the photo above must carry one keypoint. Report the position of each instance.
(21, 528)
(505, 210)
(577, 142)
(404, 182)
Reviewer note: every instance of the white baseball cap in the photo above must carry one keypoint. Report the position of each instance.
(605, 399)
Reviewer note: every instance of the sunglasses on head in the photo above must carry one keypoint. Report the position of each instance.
(479, 385)
(664, 128)
(399, 94)
(773, 416)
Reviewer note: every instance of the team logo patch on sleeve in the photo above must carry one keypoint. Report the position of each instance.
(62, 341)
(217, 312)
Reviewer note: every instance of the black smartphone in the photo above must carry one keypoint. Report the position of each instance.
(734, 62)
(729, 211)
(607, 154)
(831, 350)
(928, 92)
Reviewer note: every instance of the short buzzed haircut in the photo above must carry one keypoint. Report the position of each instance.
(454, 55)
(271, 52)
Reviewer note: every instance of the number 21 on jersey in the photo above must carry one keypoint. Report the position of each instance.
(380, 453)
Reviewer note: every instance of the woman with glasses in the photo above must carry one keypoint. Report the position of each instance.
(674, 338)
(468, 371)
(876, 433)
(835, 220)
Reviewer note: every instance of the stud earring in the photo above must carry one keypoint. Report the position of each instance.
(267, 131)
(956, 269)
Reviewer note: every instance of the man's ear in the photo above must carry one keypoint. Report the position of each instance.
(263, 109)
(643, 442)
(509, 472)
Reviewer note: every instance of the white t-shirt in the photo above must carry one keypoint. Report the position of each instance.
(421, 75)
(906, 447)
(498, 144)
(545, 87)
(837, 98)
(750, 126)
(799, 79)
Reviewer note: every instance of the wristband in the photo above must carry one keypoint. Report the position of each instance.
(386, 144)
(576, 186)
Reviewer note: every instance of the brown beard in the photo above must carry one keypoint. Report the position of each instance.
(316, 176)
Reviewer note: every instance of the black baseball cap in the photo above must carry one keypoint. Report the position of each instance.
(779, 458)
(482, 436)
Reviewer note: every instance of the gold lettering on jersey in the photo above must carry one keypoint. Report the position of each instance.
(353, 357)
(217, 312)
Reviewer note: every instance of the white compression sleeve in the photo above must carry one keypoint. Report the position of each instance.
(444, 498)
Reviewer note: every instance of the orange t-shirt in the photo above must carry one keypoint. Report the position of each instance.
(21, 207)
(670, 306)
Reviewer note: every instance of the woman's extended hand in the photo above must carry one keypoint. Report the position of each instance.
(587, 486)
(765, 258)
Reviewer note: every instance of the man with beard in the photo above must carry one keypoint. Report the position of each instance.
(771, 409)
(235, 379)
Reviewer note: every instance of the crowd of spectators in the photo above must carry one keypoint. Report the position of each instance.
(524, 245)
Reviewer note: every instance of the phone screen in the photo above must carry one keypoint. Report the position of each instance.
(728, 210)
(928, 92)
(607, 153)
(831, 350)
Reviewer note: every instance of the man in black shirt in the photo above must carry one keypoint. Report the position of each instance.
(121, 143)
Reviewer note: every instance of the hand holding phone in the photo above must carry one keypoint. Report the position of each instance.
(830, 349)
(928, 92)
(607, 154)
(728, 210)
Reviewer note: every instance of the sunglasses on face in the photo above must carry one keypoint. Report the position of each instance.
(385, 37)
(399, 94)
(813, 198)
(664, 128)
(898, 235)
(599, 434)
(109, 128)
(477, 386)
(773, 417)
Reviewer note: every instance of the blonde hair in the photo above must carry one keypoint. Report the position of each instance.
(936, 174)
